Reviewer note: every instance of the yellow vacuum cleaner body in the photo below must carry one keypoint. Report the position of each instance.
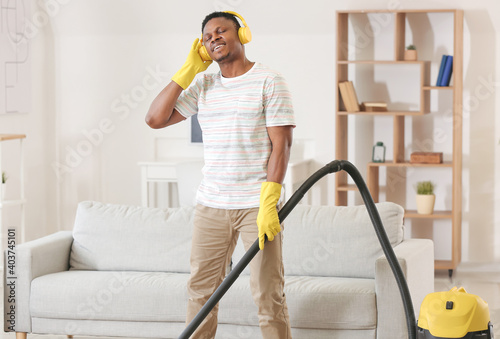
(454, 314)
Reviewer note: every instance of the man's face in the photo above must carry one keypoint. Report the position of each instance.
(221, 40)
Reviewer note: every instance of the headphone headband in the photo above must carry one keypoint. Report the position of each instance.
(239, 16)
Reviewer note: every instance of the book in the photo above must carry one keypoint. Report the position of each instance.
(441, 69)
(426, 158)
(352, 96)
(448, 69)
(345, 96)
(349, 97)
(369, 106)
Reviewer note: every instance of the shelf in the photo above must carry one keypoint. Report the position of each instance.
(4, 137)
(444, 265)
(345, 188)
(386, 62)
(408, 164)
(363, 72)
(428, 88)
(20, 201)
(12, 202)
(436, 215)
(395, 11)
(388, 113)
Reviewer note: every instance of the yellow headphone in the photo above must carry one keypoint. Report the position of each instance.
(243, 33)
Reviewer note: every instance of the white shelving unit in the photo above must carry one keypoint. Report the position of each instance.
(21, 200)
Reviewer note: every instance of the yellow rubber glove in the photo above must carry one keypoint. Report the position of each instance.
(194, 64)
(267, 219)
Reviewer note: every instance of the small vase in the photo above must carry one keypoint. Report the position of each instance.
(425, 203)
(4, 186)
(411, 55)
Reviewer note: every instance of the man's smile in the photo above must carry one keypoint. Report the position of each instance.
(217, 47)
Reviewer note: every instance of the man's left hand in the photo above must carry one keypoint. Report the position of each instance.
(267, 219)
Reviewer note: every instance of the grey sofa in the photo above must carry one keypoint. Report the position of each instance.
(122, 271)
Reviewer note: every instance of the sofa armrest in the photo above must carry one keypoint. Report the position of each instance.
(416, 257)
(33, 259)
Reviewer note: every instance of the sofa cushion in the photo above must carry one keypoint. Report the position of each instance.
(103, 295)
(336, 241)
(129, 238)
(314, 302)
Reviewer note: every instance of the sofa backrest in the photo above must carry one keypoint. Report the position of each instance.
(335, 241)
(115, 237)
(318, 240)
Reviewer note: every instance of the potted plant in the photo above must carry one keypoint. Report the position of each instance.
(425, 197)
(4, 180)
(411, 53)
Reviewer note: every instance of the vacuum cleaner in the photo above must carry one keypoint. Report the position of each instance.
(454, 314)
(443, 315)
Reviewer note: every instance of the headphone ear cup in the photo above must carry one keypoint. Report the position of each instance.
(245, 35)
(204, 53)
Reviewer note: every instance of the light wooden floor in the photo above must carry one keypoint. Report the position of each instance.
(482, 280)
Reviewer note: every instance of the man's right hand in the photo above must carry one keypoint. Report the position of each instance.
(194, 64)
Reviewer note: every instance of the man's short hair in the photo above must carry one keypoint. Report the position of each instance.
(220, 15)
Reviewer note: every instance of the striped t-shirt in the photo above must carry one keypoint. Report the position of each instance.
(233, 114)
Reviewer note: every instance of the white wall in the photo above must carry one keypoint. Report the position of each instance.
(39, 146)
(99, 63)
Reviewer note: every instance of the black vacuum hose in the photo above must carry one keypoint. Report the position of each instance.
(332, 167)
(386, 246)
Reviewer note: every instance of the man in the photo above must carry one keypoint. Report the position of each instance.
(246, 115)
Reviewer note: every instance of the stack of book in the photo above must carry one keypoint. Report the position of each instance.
(445, 70)
(369, 106)
(349, 97)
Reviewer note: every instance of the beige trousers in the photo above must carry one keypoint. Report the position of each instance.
(215, 235)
